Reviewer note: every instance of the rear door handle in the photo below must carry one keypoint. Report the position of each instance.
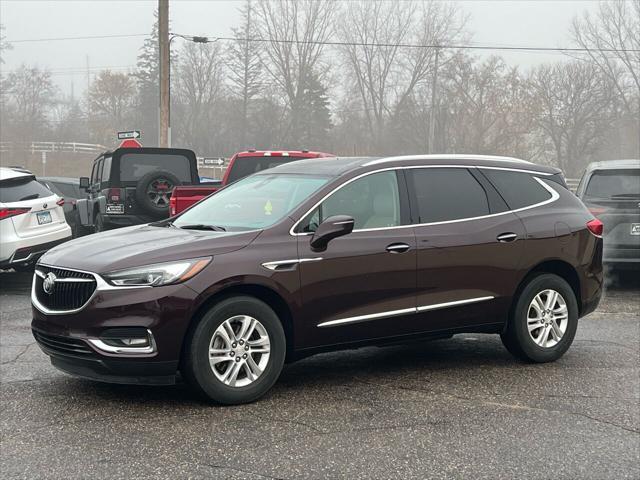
(398, 248)
(507, 237)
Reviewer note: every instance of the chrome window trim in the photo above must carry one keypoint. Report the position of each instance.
(554, 196)
(275, 264)
(100, 345)
(101, 286)
(404, 311)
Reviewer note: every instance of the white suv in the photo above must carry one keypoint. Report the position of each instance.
(31, 219)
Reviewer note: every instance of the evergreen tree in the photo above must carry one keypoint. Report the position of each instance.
(316, 122)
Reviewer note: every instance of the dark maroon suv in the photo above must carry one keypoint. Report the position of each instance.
(319, 255)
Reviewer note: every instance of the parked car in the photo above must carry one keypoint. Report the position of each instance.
(31, 219)
(324, 254)
(130, 186)
(611, 191)
(69, 190)
(240, 165)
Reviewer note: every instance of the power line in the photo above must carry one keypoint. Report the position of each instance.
(415, 45)
(90, 37)
(520, 48)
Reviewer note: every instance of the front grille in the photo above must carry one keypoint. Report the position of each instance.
(65, 295)
(64, 345)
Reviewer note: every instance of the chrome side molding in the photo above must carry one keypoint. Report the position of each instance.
(404, 311)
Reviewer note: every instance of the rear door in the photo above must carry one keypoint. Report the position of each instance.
(469, 248)
(44, 214)
(147, 176)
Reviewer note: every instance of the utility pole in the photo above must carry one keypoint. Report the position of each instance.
(88, 76)
(163, 37)
(432, 113)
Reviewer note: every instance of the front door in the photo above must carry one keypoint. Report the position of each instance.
(363, 285)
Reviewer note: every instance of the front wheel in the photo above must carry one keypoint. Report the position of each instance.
(236, 352)
(544, 321)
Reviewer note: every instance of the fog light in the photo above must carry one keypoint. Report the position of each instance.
(129, 341)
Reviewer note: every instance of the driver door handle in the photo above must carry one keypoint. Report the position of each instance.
(506, 237)
(398, 248)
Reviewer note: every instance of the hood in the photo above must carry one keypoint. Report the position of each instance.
(143, 245)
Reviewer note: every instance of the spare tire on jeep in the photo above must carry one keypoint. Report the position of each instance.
(154, 191)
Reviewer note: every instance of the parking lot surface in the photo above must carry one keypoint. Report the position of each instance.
(458, 408)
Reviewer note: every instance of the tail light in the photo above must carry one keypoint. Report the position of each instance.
(595, 211)
(12, 212)
(172, 205)
(114, 195)
(596, 227)
(60, 202)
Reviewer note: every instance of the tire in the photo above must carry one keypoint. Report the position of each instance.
(156, 204)
(532, 347)
(99, 223)
(198, 371)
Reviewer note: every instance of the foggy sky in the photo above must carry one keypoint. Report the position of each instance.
(526, 22)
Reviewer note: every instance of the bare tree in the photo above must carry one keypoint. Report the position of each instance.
(612, 40)
(244, 66)
(385, 72)
(294, 31)
(29, 95)
(575, 103)
(198, 89)
(4, 45)
(110, 103)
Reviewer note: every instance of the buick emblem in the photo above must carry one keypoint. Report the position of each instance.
(49, 283)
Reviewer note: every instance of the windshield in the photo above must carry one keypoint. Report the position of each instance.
(614, 183)
(255, 202)
(245, 166)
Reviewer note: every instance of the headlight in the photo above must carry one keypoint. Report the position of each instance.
(158, 274)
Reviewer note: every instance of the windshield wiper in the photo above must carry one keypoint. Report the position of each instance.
(201, 226)
(30, 197)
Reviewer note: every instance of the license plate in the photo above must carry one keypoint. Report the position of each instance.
(115, 208)
(43, 217)
(635, 229)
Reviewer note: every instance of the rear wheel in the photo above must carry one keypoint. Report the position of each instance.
(236, 352)
(544, 321)
(99, 223)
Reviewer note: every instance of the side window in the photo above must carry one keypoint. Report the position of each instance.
(106, 170)
(444, 194)
(373, 201)
(518, 189)
(96, 173)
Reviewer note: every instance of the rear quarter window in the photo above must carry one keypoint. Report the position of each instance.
(23, 188)
(518, 189)
(134, 166)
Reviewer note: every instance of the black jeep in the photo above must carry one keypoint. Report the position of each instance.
(130, 186)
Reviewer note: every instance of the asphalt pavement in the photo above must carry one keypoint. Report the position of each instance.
(457, 408)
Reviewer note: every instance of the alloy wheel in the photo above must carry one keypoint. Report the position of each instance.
(547, 318)
(239, 351)
(159, 191)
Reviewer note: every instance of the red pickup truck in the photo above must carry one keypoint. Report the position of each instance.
(241, 165)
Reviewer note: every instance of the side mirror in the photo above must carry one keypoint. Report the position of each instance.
(84, 183)
(333, 227)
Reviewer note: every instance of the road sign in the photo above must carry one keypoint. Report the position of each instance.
(130, 143)
(128, 134)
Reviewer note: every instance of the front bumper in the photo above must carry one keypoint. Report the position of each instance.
(71, 339)
(76, 357)
(119, 220)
